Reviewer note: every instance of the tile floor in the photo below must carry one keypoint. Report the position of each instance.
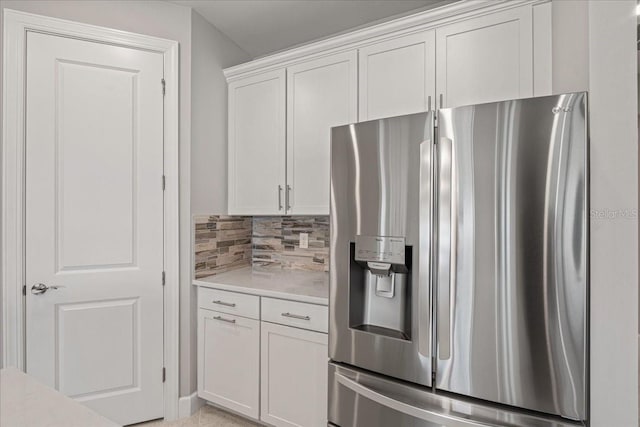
(207, 416)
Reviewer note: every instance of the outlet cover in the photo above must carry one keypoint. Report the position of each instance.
(304, 240)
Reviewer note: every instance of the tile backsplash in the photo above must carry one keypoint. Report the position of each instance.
(276, 242)
(222, 243)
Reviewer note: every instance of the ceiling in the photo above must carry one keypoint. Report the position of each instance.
(261, 27)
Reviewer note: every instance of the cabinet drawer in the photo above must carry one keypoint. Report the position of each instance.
(298, 314)
(229, 302)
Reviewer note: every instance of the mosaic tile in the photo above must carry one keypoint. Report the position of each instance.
(221, 243)
(276, 243)
(224, 243)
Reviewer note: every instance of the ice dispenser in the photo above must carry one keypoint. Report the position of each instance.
(380, 286)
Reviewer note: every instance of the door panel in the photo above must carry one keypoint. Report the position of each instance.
(512, 274)
(86, 340)
(485, 59)
(94, 224)
(84, 170)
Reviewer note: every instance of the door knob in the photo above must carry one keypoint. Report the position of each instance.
(41, 288)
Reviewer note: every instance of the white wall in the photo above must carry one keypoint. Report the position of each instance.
(594, 46)
(614, 185)
(570, 52)
(211, 52)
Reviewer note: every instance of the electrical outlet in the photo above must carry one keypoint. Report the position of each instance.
(304, 240)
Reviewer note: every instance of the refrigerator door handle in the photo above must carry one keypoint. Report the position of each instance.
(446, 244)
(425, 245)
(438, 418)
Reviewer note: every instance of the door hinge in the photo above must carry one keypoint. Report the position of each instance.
(164, 87)
(164, 374)
(164, 278)
(24, 289)
(164, 182)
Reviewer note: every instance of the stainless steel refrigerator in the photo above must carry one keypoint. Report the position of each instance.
(459, 267)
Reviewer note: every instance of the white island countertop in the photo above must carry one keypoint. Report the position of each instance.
(24, 402)
(295, 285)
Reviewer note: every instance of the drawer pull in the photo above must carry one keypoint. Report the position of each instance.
(225, 320)
(228, 304)
(296, 316)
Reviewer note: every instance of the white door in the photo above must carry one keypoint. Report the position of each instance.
(397, 76)
(94, 224)
(229, 361)
(257, 144)
(485, 59)
(294, 374)
(320, 94)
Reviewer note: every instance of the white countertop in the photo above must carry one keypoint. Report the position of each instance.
(295, 285)
(26, 402)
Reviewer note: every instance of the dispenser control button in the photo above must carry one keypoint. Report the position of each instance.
(380, 248)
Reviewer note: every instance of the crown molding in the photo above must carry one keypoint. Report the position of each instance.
(421, 21)
(50, 25)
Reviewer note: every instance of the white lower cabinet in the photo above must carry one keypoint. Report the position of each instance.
(269, 363)
(293, 376)
(229, 361)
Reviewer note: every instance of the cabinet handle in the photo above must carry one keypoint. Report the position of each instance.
(228, 304)
(441, 101)
(225, 320)
(279, 197)
(429, 103)
(296, 316)
(288, 197)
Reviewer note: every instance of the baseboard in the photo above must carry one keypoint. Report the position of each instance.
(189, 405)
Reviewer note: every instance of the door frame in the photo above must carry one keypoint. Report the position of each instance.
(16, 26)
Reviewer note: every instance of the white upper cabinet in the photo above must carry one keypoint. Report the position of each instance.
(397, 76)
(485, 59)
(321, 93)
(257, 144)
(279, 121)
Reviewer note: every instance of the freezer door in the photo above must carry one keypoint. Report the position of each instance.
(381, 196)
(512, 268)
(360, 399)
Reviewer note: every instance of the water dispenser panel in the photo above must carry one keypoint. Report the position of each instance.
(380, 249)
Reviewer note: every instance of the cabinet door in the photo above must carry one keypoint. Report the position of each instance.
(228, 361)
(320, 94)
(294, 377)
(485, 59)
(257, 144)
(397, 76)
